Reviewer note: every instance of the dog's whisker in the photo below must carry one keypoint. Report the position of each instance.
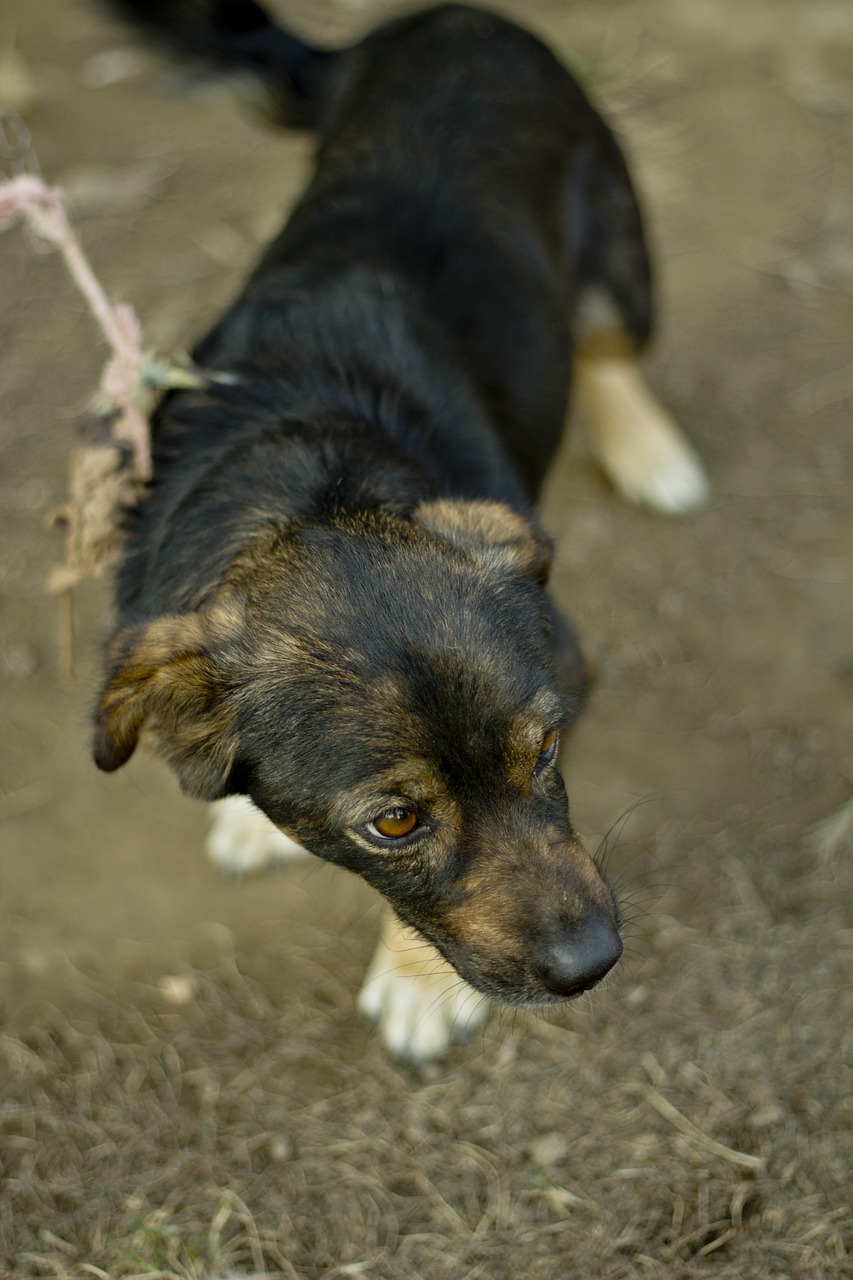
(606, 847)
(638, 927)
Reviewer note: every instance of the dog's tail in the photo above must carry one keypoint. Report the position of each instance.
(237, 37)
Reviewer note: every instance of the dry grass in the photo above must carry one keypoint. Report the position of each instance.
(694, 1123)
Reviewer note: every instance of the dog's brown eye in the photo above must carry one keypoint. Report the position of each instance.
(548, 749)
(393, 824)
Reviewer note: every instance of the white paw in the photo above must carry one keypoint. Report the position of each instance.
(241, 839)
(673, 481)
(659, 470)
(421, 1007)
(640, 447)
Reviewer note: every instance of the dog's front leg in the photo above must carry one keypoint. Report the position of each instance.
(418, 1001)
(242, 840)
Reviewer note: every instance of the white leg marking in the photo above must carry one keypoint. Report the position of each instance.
(639, 445)
(418, 1001)
(241, 839)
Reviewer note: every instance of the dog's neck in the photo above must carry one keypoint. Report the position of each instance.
(342, 345)
(233, 462)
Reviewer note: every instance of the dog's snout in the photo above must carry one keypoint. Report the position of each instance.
(578, 957)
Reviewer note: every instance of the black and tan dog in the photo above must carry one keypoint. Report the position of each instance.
(333, 602)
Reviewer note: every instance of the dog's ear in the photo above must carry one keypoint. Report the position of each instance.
(491, 532)
(169, 679)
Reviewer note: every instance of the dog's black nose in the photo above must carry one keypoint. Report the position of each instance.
(577, 959)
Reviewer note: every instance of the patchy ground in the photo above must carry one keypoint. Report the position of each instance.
(187, 1087)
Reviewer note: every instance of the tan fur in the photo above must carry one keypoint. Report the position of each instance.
(640, 447)
(418, 998)
(166, 682)
(525, 738)
(412, 778)
(607, 344)
(491, 916)
(494, 533)
(410, 954)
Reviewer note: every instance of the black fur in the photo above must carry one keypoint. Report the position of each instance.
(406, 340)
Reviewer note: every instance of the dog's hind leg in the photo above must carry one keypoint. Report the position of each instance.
(638, 444)
(241, 839)
(418, 1001)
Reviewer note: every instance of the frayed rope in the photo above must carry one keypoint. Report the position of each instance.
(109, 470)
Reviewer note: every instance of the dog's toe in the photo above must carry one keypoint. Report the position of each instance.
(241, 839)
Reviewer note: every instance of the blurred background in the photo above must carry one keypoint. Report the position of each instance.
(187, 1088)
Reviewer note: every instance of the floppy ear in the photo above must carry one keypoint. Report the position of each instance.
(491, 532)
(168, 679)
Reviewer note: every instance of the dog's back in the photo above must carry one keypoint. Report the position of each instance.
(463, 169)
(445, 165)
(333, 600)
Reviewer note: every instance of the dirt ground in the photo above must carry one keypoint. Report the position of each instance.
(187, 1088)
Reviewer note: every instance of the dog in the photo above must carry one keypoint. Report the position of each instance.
(333, 618)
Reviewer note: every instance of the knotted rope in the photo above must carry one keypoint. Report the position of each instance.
(111, 465)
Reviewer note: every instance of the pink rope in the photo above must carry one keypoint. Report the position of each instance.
(43, 207)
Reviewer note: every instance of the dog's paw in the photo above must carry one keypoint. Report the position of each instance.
(241, 839)
(639, 445)
(658, 469)
(419, 1003)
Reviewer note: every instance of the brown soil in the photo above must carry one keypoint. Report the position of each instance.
(693, 1119)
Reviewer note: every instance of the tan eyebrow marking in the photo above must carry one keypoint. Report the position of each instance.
(408, 782)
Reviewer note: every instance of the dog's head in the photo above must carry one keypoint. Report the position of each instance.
(391, 691)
